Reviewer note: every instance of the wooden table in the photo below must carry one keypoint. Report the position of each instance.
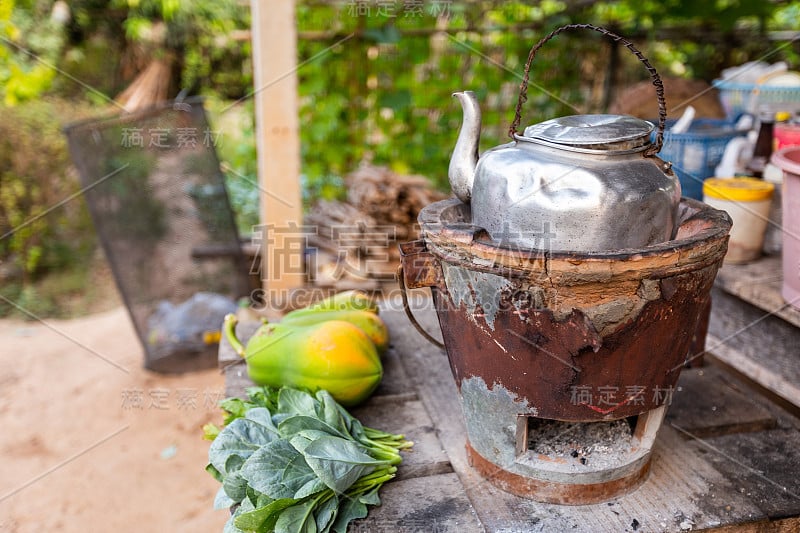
(754, 331)
(726, 459)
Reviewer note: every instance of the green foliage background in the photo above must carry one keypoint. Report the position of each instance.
(375, 83)
(375, 80)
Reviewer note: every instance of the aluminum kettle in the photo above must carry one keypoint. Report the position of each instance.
(582, 183)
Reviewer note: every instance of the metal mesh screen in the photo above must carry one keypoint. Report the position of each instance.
(157, 197)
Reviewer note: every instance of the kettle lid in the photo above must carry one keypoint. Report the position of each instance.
(591, 133)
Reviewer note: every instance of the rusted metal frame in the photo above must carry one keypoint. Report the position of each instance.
(574, 343)
(666, 266)
(417, 269)
(420, 268)
(456, 320)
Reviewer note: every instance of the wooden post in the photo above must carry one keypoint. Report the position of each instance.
(274, 35)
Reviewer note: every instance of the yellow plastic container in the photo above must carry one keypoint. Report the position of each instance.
(747, 201)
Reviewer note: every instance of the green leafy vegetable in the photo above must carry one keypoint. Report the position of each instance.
(296, 462)
(222, 500)
(241, 438)
(235, 487)
(352, 509)
(262, 516)
(210, 431)
(339, 462)
(326, 513)
(301, 423)
(297, 519)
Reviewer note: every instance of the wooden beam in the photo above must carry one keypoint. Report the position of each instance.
(274, 35)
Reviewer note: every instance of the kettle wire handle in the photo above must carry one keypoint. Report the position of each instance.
(410, 314)
(659, 85)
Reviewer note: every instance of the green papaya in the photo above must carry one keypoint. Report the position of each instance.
(343, 301)
(368, 322)
(334, 355)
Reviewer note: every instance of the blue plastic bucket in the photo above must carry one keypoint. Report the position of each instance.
(696, 153)
(739, 97)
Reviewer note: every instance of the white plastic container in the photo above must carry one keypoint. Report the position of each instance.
(747, 201)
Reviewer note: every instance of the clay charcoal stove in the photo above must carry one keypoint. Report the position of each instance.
(569, 277)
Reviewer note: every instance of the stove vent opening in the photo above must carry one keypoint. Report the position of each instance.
(592, 444)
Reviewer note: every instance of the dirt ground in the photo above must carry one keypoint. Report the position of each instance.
(91, 441)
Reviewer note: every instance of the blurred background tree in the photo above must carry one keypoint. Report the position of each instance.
(375, 84)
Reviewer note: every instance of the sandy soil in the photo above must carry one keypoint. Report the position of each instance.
(91, 441)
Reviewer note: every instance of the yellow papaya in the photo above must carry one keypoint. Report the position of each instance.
(369, 323)
(334, 355)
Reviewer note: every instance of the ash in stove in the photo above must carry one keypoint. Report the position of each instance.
(598, 444)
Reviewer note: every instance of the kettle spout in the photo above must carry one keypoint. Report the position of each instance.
(465, 154)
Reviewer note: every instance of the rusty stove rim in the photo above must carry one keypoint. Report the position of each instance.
(443, 238)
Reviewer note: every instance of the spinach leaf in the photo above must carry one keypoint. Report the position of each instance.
(351, 423)
(299, 479)
(325, 513)
(302, 439)
(331, 413)
(339, 462)
(264, 397)
(280, 471)
(297, 519)
(230, 525)
(210, 431)
(296, 402)
(297, 423)
(233, 464)
(357, 431)
(222, 500)
(264, 470)
(311, 487)
(235, 486)
(234, 408)
(242, 437)
(263, 518)
(371, 497)
(351, 509)
(258, 499)
(261, 415)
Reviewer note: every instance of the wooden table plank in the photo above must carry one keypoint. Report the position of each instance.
(763, 466)
(755, 343)
(395, 380)
(432, 504)
(708, 402)
(759, 283)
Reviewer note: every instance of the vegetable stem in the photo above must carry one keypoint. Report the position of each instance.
(359, 487)
(229, 328)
